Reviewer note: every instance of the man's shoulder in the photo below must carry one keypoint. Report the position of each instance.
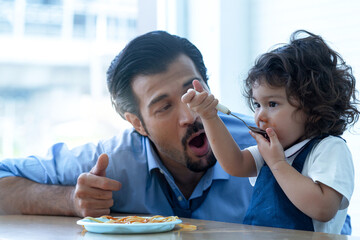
(127, 150)
(238, 130)
(228, 119)
(128, 140)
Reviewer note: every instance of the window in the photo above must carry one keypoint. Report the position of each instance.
(84, 26)
(53, 62)
(43, 18)
(7, 12)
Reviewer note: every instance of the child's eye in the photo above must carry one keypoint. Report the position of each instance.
(256, 105)
(272, 104)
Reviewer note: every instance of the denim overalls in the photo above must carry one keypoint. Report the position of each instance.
(270, 206)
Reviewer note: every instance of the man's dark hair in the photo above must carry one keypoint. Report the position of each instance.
(147, 54)
(316, 77)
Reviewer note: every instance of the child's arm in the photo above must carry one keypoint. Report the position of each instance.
(316, 200)
(232, 159)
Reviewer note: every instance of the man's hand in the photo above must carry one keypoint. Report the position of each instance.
(93, 192)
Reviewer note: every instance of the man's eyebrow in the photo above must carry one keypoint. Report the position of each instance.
(161, 97)
(157, 99)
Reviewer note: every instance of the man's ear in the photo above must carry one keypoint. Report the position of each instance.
(135, 121)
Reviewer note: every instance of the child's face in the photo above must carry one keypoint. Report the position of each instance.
(272, 109)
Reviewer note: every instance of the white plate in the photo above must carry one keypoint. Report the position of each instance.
(95, 227)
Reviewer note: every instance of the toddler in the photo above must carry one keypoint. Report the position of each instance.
(303, 94)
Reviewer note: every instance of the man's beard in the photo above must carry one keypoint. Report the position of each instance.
(196, 167)
(191, 164)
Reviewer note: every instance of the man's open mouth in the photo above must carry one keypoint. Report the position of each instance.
(199, 145)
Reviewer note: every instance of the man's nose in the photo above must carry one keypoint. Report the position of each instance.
(186, 115)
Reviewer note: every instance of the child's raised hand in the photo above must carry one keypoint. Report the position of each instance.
(200, 101)
(272, 151)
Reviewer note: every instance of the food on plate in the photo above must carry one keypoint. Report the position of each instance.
(134, 219)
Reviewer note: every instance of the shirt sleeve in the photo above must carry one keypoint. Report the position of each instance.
(54, 168)
(259, 162)
(330, 163)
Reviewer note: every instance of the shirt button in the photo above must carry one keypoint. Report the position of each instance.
(161, 171)
(180, 198)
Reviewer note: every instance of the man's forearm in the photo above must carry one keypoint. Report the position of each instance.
(22, 196)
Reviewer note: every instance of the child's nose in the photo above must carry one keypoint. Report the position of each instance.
(261, 116)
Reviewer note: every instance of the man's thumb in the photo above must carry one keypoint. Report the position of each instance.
(100, 167)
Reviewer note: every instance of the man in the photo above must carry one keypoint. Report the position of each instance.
(162, 166)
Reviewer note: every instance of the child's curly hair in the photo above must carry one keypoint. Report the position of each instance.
(317, 80)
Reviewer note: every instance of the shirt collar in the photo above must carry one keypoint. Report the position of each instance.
(152, 157)
(295, 148)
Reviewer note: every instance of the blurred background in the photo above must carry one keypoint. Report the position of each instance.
(54, 55)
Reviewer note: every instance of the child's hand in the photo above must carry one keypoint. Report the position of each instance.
(272, 151)
(200, 101)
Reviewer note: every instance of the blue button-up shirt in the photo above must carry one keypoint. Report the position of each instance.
(134, 162)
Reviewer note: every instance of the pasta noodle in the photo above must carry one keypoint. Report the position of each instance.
(187, 227)
(135, 219)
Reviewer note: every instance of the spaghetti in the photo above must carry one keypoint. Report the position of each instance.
(135, 219)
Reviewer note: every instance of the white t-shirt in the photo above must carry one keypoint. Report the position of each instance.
(329, 162)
